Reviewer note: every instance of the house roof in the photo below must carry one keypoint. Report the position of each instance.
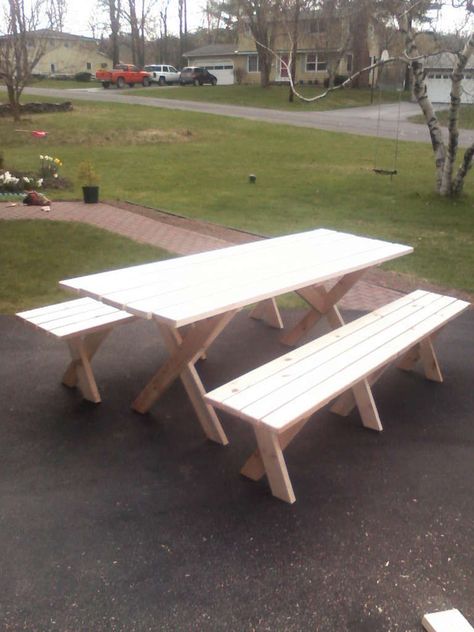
(62, 36)
(212, 50)
(443, 61)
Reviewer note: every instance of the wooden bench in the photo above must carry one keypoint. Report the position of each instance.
(83, 323)
(279, 397)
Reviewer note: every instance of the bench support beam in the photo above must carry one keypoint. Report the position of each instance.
(254, 468)
(79, 372)
(274, 463)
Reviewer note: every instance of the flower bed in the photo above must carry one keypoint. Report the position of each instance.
(17, 182)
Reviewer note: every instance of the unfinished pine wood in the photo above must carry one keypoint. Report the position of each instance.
(275, 466)
(322, 303)
(187, 289)
(268, 312)
(193, 344)
(194, 388)
(282, 394)
(446, 621)
(83, 323)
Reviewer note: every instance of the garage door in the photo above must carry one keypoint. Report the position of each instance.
(223, 70)
(439, 87)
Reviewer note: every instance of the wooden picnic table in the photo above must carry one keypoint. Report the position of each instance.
(193, 298)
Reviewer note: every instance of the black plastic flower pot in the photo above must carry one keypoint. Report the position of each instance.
(90, 194)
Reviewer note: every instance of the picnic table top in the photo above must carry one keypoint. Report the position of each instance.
(183, 290)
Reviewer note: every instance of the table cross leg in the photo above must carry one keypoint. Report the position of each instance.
(322, 303)
(79, 372)
(193, 344)
(268, 312)
(194, 388)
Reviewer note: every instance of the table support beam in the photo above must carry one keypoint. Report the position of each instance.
(268, 312)
(183, 355)
(322, 303)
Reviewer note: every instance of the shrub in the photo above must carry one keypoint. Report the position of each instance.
(337, 81)
(83, 76)
(239, 74)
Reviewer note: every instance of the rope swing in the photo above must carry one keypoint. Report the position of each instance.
(379, 170)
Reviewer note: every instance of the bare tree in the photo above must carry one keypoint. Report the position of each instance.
(136, 14)
(113, 11)
(21, 48)
(163, 28)
(56, 14)
(183, 26)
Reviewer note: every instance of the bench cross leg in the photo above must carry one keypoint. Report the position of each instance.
(79, 372)
(274, 463)
(254, 467)
(422, 351)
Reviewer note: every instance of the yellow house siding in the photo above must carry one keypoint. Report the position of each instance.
(69, 57)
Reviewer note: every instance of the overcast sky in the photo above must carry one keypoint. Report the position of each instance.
(80, 11)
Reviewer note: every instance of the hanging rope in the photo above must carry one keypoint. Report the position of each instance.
(387, 172)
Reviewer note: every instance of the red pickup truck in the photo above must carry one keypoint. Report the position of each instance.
(122, 74)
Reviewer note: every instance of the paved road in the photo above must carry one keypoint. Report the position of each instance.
(362, 121)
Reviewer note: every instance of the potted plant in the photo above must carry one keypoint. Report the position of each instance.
(90, 182)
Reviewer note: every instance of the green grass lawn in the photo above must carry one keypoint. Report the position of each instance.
(275, 97)
(466, 117)
(198, 165)
(35, 256)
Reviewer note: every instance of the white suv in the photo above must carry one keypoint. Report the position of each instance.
(162, 74)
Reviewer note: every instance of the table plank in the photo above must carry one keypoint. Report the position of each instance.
(188, 289)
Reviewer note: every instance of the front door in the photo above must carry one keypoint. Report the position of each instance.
(284, 68)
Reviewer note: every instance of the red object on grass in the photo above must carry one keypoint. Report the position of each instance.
(38, 133)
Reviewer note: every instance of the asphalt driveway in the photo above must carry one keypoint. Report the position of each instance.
(110, 521)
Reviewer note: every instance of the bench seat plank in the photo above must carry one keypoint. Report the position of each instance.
(71, 318)
(279, 397)
(83, 324)
(287, 389)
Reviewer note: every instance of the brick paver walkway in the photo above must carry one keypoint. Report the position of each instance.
(174, 234)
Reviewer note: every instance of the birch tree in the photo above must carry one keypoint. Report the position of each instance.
(449, 176)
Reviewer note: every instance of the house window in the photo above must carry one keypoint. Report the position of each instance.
(88, 65)
(317, 26)
(311, 62)
(316, 63)
(322, 63)
(103, 65)
(53, 69)
(253, 63)
(349, 62)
